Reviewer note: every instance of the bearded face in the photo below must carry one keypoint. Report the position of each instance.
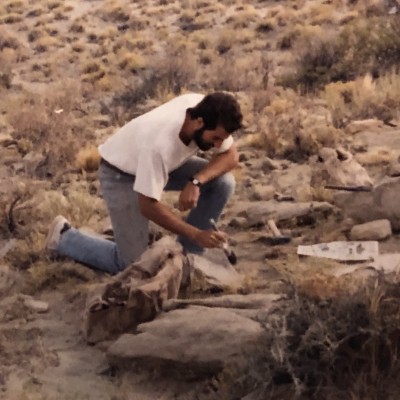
(199, 140)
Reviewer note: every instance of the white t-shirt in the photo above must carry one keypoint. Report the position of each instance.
(149, 146)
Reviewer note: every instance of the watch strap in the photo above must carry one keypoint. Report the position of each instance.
(195, 181)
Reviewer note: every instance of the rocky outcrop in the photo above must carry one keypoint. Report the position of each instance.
(202, 338)
(381, 203)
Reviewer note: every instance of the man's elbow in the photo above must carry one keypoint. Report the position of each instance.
(145, 205)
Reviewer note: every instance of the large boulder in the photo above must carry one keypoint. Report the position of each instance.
(338, 167)
(381, 203)
(199, 339)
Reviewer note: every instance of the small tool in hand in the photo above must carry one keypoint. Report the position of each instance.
(230, 254)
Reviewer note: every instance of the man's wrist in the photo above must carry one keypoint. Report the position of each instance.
(195, 181)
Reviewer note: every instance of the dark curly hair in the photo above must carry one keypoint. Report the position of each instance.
(218, 109)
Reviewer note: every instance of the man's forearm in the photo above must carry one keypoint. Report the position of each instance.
(219, 165)
(162, 215)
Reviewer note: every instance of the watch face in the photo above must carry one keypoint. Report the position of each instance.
(195, 182)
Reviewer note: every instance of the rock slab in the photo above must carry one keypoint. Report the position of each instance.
(374, 230)
(194, 339)
(381, 203)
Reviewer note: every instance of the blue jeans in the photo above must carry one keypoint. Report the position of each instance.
(131, 228)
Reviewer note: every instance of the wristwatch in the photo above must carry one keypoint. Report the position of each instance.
(195, 181)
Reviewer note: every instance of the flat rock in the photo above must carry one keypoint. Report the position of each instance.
(36, 305)
(198, 339)
(235, 301)
(215, 270)
(374, 230)
(262, 192)
(259, 212)
(363, 125)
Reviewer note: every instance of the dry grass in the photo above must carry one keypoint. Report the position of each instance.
(88, 159)
(320, 346)
(294, 127)
(48, 124)
(364, 98)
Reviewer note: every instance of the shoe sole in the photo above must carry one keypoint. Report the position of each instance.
(50, 234)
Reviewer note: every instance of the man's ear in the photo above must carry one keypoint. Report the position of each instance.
(199, 122)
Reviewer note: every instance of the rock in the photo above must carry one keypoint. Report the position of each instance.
(362, 125)
(338, 167)
(33, 160)
(238, 222)
(235, 301)
(258, 213)
(374, 230)
(136, 294)
(213, 270)
(381, 203)
(7, 278)
(36, 305)
(262, 192)
(196, 339)
(394, 168)
(5, 247)
(269, 165)
(246, 155)
(6, 139)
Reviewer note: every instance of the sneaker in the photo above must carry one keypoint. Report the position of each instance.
(57, 228)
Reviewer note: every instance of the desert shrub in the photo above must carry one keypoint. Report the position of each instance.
(132, 62)
(47, 121)
(370, 45)
(225, 41)
(295, 127)
(170, 76)
(236, 73)
(6, 74)
(243, 19)
(32, 212)
(364, 98)
(11, 18)
(343, 347)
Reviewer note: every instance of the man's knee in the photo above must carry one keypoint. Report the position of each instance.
(226, 184)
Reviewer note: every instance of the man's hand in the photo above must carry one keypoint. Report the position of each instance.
(189, 197)
(210, 238)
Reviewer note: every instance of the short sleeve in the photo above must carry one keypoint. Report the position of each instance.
(151, 174)
(226, 145)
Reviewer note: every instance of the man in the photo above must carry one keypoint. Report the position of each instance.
(156, 152)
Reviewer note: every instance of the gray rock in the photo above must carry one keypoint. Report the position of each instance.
(238, 222)
(362, 125)
(259, 212)
(381, 203)
(36, 305)
(269, 164)
(197, 339)
(262, 192)
(374, 230)
(394, 169)
(253, 301)
(6, 139)
(7, 278)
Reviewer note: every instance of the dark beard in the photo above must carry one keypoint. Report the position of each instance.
(198, 138)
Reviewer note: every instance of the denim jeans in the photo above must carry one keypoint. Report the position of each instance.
(131, 228)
